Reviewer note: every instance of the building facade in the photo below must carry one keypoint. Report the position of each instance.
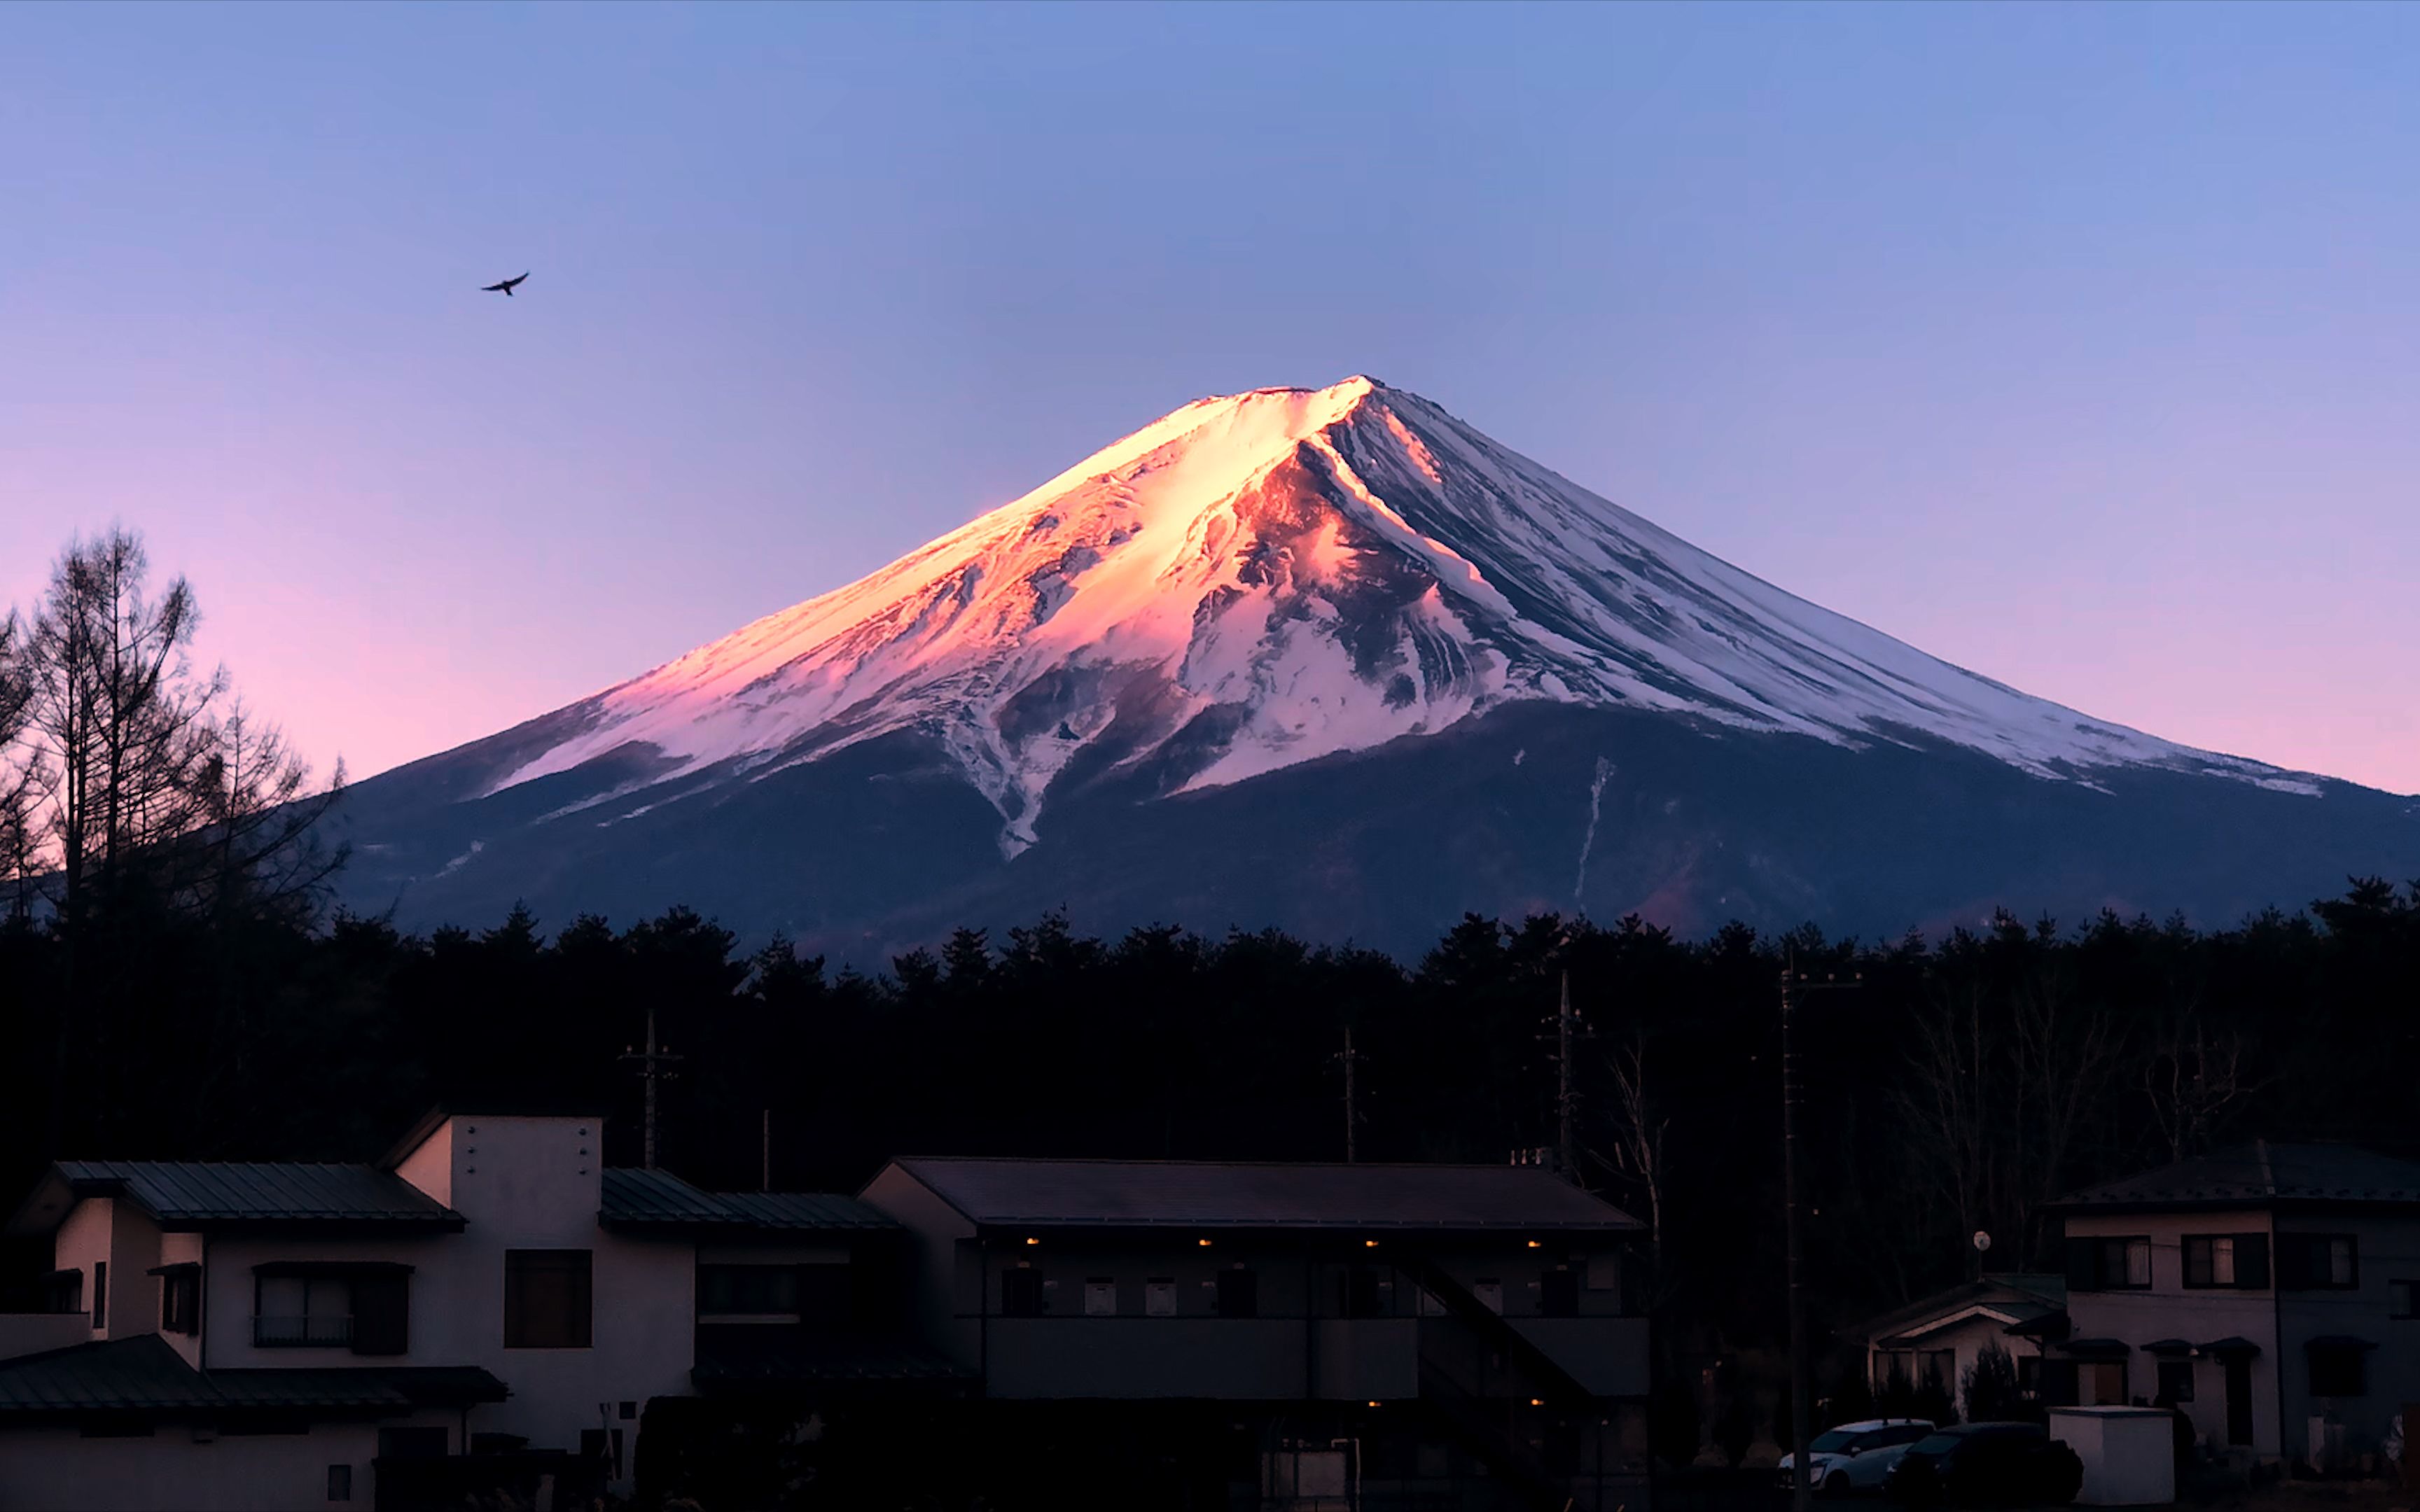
(2269, 1290)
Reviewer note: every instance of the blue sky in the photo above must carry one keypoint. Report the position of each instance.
(2075, 345)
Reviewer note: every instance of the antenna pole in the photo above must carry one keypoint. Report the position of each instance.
(764, 1183)
(1566, 1101)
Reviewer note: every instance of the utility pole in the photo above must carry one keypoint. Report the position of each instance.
(1350, 1059)
(1794, 985)
(764, 1183)
(654, 1065)
(1567, 1103)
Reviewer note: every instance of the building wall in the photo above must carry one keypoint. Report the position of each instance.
(58, 1469)
(34, 1333)
(178, 1249)
(2386, 1249)
(1964, 1342)
(943, 1296)
(2168, 1310)
(100, 1230)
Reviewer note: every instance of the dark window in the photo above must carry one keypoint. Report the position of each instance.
(767, 1290)
(66, 1291)
(1364, 1293)
(181, 1301)
(1021, 1292)
(629, 1411)
(827, 1295)
(1240, 1294)
(2318, 1262)
(381, 1314)
(2236, 1260)
(2338, 1370)
(547, 1299)
(2098, 1264)
(2176, 1380)
(2403, 1299)
(340, 1482)
(300, 1311)
(2029, 1374)
(411, 1443)
(100, 1293)
(1558, 1294)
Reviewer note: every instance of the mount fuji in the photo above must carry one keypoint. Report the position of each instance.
(1333, 660)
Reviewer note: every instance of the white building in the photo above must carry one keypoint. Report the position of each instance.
(2270, 1290)
(1939, 1338)
(275, 1336)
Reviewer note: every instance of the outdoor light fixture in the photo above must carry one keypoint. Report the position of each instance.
(1034, 1241)
(1373, 1404)
(1533, 1244)
(1203, 1242)
(1537, 1401)
(1369, 1243)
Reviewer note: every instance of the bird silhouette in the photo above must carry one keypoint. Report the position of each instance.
(505, 289)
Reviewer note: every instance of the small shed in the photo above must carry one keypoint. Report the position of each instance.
(2129, 1453)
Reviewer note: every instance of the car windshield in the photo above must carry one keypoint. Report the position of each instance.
(1935, 1444)
(1832, 1443)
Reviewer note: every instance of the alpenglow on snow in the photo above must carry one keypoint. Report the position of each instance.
(1261, 580)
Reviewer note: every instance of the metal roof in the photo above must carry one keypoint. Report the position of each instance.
(143, 1374)
(2022, 1295)
(653, 1198)
(2261, 1173)
(1244, 1195)
(188, 1194)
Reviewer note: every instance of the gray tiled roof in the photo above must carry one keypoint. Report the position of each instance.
(655, 1197)
(187, 1194)
(2261, 1173)
(1244, 1195)
(143, 1374)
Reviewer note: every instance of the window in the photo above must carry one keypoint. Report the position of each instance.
(2176, 1380)
(1159, 1297)
(1937, 1368)
(747, 1290)
(2029, 1374)
(66, 1291)
(1021, 1292)
(100, 1293)
(340, 1482)
(2103, 1382)
(1558, 1294)
(301, 1312)
(547, 1299)
(2099, 1264)
(2318, 1262)
(1604, 1273)
(1490, 1293)
(1239, 1293)
(1365, 1292)
(2403, 1299)
(1100, 1296)
(2338, 1368)
(382, 1313)
(2238, 1260)
(180, 1298)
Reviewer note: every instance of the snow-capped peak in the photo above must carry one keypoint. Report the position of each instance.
(1264, 579)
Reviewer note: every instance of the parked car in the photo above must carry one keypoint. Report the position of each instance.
(1987, 1464)
(1854, 1457)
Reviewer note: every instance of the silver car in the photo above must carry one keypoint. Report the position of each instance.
(1854, 1457)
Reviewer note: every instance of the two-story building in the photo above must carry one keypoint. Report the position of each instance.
(487, 1306)
(2270, 1290)
(1433, 1334)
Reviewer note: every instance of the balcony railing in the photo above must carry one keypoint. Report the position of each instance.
(301, 1333)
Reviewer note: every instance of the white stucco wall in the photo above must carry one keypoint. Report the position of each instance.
(58, 1469)
(104, 1228)
(2168, 1310)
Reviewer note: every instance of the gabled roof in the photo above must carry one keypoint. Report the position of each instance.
(196, 1194)
(2262, 1174)
(655, 1198)
(1250, 1195)
(2021, 1296)
(143, 1374)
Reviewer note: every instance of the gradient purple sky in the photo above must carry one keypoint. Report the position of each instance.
(2080, 346)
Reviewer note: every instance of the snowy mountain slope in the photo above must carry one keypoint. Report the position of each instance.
(1262, 579)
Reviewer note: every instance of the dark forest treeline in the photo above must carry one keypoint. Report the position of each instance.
(1957, 1087)
(170, 987)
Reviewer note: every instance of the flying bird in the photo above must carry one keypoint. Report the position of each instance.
(505, 289)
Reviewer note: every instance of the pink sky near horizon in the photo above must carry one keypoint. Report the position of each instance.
(2075, 347)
